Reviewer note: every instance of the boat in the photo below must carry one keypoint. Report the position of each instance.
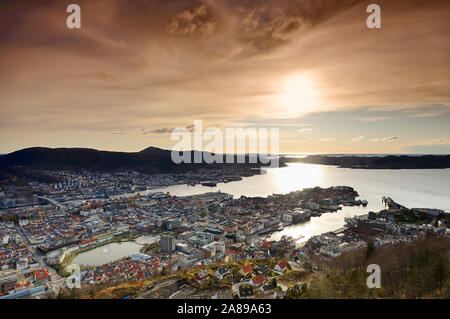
(278, 228)
(265, 231)
(209, 184)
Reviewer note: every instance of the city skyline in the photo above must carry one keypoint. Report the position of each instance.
(246, 154)
(135, 71)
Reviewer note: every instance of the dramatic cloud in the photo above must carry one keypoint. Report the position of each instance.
(357, 139)
(197, 20)
(384, 139)
(437, 141)
(163, 64)
(165, 130)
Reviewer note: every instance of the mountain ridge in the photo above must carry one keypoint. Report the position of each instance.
(378, 162)
(149, 160)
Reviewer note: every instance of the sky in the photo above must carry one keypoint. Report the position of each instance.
(136, 70)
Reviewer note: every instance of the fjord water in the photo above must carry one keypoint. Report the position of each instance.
(112, 252)
(106, 254)
(412, 188)
(428, 188)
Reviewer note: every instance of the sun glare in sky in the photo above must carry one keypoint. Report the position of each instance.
(311, 68)
(298, 96)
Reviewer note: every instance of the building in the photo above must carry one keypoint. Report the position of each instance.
(202, 276)
(41, 275)
(287, 218)
(312, 205)
(223, 294)
(7, 283)
(168, 244)
(171, 224)
(245, 292)
(221, 272)
(201, 238)
(187, 261)
(269, 287)
(246, 270)
(300, 216)
(183, 247)
(257, 281)
(280, 268)
(262, 270)
(199, 254)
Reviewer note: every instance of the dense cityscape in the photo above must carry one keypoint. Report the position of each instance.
(224, 158)
(216, 246)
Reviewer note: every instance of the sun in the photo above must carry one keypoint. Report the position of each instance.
(298, 96)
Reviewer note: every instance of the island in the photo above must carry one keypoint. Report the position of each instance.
(376, 162)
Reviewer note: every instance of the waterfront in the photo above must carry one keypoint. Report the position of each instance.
(200, 227)
(107, 253)
(412, 188)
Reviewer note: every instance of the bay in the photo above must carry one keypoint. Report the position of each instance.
(106, 254)
(412, 188)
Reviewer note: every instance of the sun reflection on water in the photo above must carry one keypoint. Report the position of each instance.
(299, 177)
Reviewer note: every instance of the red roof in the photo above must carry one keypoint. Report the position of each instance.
(282, 265)
(23, 285)
(247, 269)
(201, 275)
(87, 241)
(258, 280)
(41, 274)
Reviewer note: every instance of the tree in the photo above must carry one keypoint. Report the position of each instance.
(274, 282)
(370, 249)
(430, 233)
(447, 289)
(440, 271)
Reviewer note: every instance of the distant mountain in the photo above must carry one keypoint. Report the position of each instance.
(10, 175)
(42, 158)
(150, 160)
(378, 162)
(155, 151)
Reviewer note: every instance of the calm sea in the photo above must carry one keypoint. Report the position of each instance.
(412, 188)
(415, 188)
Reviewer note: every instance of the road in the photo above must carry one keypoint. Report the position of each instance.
(296, 266)
(57, 282)
(54, 202)
(165, 284)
